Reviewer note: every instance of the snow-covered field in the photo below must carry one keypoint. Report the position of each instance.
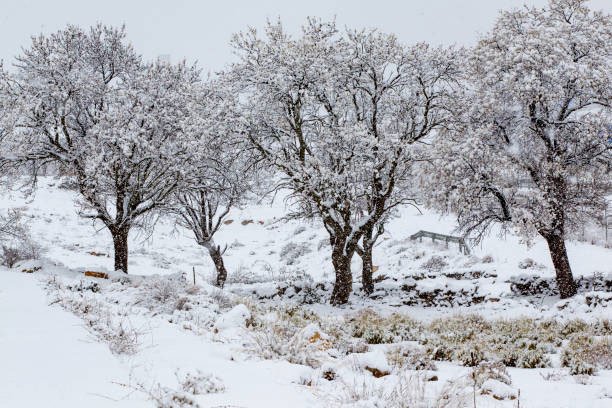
(270, 339)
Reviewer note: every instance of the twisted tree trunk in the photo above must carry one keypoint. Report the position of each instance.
(563, 270)
(343, 249)
(217, 257)
(367, 268)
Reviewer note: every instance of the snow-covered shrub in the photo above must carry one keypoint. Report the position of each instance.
(434, 264)
(368, 325)
(459, 328)
(165, 397)
(300, 337)
(487, 259)
(573, 326)
(105, 324)
(470, 354)
(294, 250)
(490, 371)
(407, 390)
(529, 263)
(200, 383)
(469, 339)
(121, 337)
(161, 293)
(19, 249)
(278, 339)
(410, 358)
(221, 298)
(554, 375)
(584, 354)
(375, 329)
(532, 358)
(163, 290)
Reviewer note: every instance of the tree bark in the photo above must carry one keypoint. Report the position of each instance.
(341, 260)
(120, 241)
(217, 258)
(367, 269)
(563, 270)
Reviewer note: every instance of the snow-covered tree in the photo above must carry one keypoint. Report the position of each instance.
(84, 99)
(336, 114)
(218, 173)
(533, 150)
(401, 95)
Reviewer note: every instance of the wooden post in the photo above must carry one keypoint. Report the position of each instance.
(193, 271)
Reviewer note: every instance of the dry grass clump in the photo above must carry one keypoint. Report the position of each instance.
(106, 325)
(584, 354)
(521, 342)
(375, 329)
(407, 392)
(467, 339)
(410, 358)
(292, 334)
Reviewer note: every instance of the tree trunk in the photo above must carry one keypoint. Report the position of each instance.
(563, 270)
(217, 258)
(366, 263)
(120, 241)
(341, 259)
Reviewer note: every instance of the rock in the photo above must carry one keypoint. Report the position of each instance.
(374, 362)
(93, 274)
(236, 317)
(376, 372)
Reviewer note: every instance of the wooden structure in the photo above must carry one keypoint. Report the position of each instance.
(463, 248)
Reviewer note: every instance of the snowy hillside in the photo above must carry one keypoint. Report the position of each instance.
(135, 341)
(338, 218)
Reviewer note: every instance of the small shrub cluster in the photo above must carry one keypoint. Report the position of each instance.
(471, 339)
(410, 358)
(17, 250)
(434, 264)
(292, 251)
(584, 354)
(199, 383)
(375, 329)
(107, 325)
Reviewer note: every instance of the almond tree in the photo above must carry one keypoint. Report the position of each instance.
(218, 174)
(86, 100)
(336, 114)
(401, 95)
(533, 151)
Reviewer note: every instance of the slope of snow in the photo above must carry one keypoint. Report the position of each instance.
(49, 357)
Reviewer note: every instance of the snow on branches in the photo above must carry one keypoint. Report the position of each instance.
(337, 114)
(532, 147)
(86, 100)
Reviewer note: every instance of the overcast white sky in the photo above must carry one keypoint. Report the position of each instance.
(201, 30)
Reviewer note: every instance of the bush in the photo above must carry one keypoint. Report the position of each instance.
(375, 329)
(19, 250)
(583, 354)
(411, 358)
(292, 251)
(434, 264)
(199, 383)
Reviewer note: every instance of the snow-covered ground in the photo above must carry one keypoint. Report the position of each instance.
(137, 342)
